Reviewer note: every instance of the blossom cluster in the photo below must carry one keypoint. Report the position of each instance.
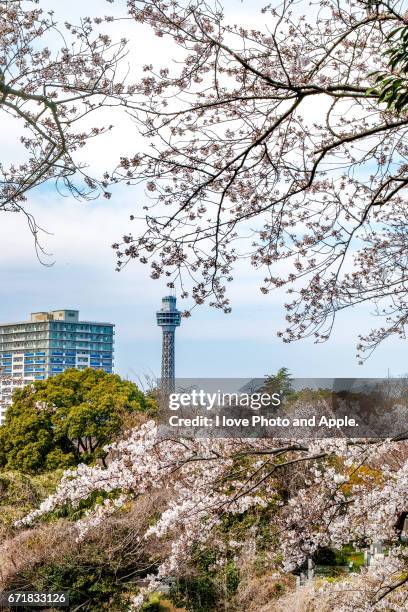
(352, 491)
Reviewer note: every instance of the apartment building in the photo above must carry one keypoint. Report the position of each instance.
(48, 344)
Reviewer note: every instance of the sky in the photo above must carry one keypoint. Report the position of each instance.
(80, 272)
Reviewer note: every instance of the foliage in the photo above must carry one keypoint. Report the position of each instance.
(264, 498)
(66, 419)
(94, 584)
(340, 558)
(392, 86)
(231, 577)
(20, 493)
(157, 603)
(281, 383)
(101, 573)
(195, 593)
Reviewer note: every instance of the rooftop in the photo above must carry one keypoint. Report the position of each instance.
(63, 315)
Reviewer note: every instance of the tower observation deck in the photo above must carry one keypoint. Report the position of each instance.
(168, 318)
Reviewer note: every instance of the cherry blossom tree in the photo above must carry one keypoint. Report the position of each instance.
(351, 492)
(277, 145)
(52, 77)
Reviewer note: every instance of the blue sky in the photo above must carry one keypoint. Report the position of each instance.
(209, 344)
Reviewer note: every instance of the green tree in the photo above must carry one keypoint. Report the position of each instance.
(66, 419)
(281, 382)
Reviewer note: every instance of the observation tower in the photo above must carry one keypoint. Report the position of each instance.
(168, 318)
